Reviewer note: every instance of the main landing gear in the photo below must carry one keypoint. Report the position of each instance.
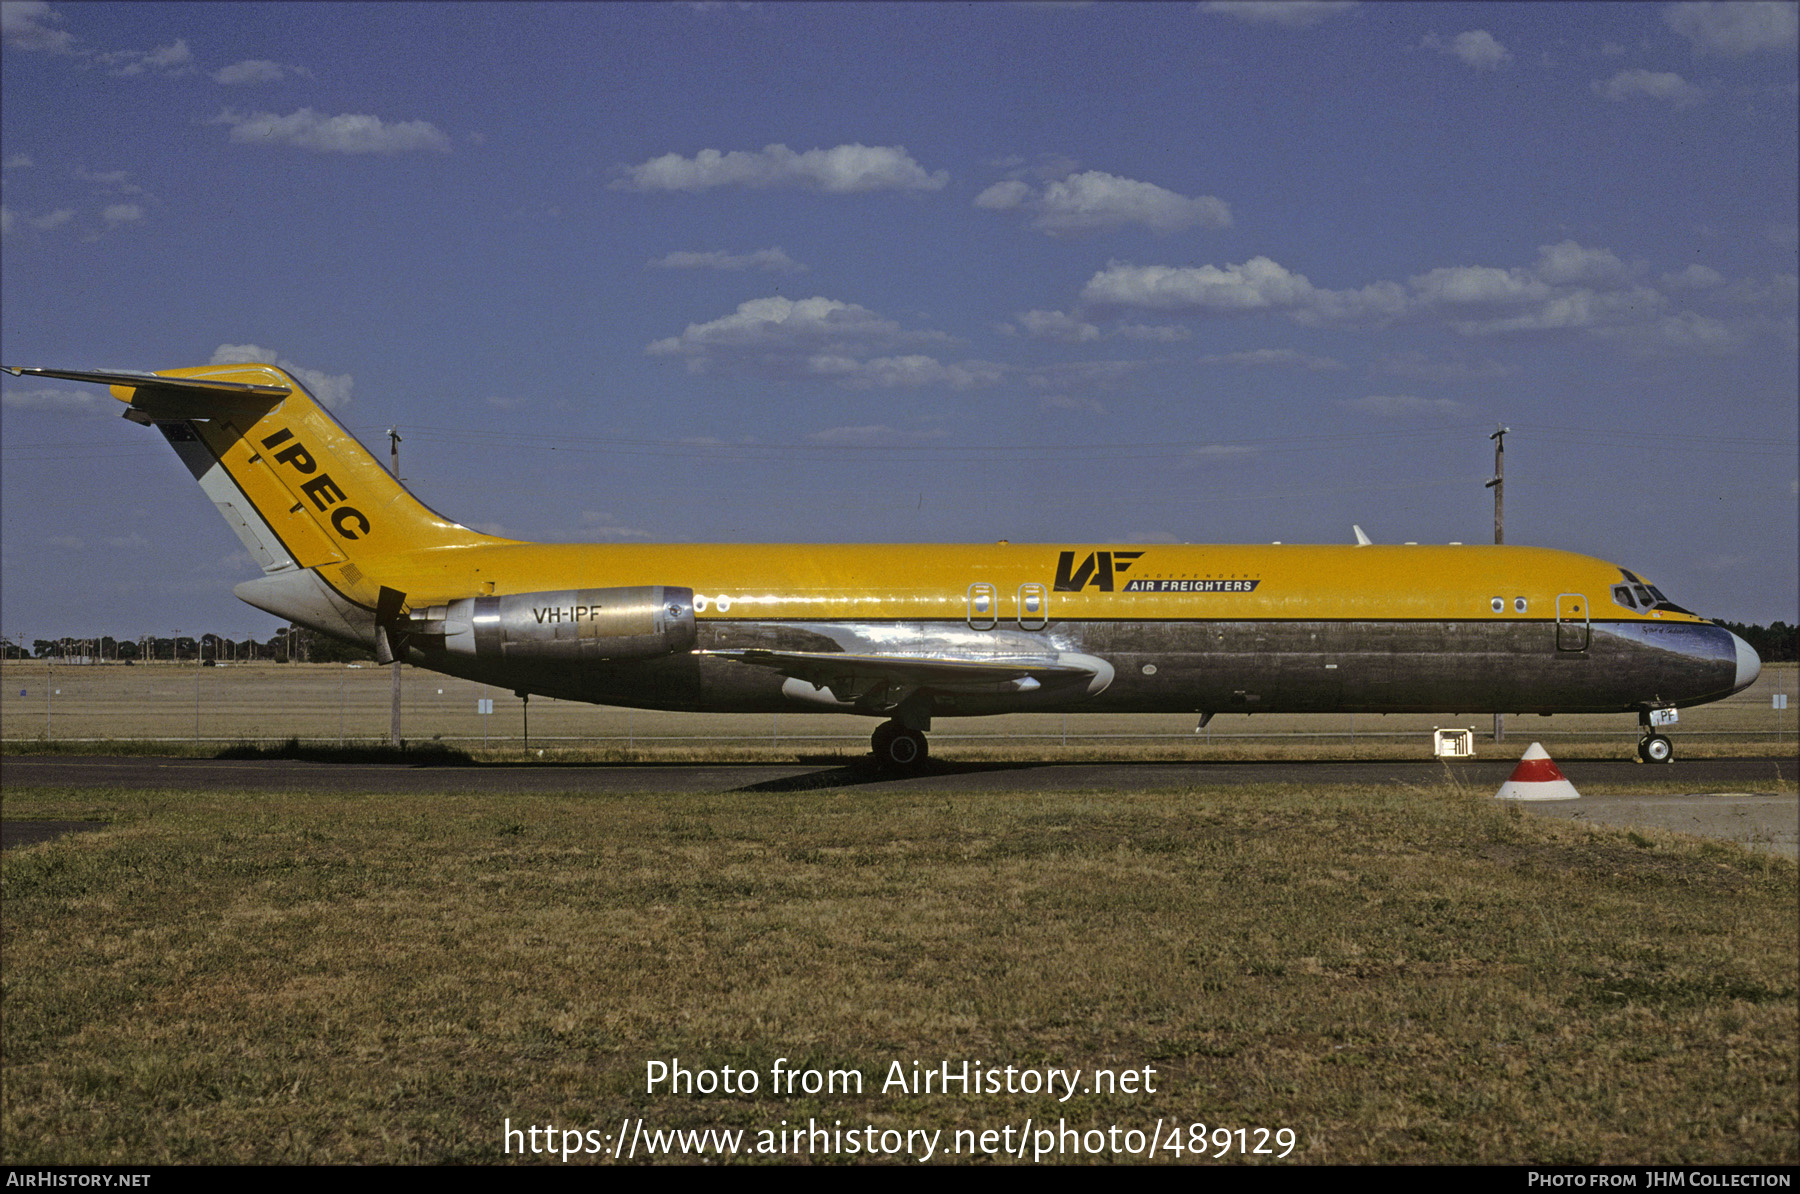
(1652, 746)
(899, 747)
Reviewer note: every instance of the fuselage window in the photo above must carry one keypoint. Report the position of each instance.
(1519, 604)
(1498, 604)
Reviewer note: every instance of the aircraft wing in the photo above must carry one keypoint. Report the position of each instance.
(854, 677)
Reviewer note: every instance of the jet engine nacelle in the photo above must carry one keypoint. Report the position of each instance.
(573, 624)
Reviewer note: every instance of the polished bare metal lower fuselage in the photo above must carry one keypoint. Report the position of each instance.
(1273, 666)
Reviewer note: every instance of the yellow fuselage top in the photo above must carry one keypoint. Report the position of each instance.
(1128, 582)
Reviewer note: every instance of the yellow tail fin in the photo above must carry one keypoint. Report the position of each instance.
(320, 494)
(299, 490)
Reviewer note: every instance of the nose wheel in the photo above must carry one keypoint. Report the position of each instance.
(898, 748)
(1652, 746)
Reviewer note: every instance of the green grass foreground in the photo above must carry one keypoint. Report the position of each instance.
(1395, 974)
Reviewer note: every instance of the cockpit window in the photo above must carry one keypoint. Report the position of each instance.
(1640, 594)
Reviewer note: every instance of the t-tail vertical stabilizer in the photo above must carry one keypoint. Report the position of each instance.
(318, 513)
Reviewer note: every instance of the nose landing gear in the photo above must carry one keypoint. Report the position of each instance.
(1652, 746)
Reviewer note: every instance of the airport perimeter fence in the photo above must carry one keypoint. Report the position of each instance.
(351, 705)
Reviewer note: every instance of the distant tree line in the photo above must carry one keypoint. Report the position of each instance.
(1779, 643)
(298, 646)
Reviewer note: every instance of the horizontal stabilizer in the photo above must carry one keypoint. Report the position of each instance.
(141, 380)
(162, 397)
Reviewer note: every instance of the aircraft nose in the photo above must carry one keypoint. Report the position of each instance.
(1749, 664)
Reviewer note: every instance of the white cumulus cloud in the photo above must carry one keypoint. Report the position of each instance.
(1649, 84)
(911, 371)
(1285, 358)
(1677, 332)
(332, 391)
(1069, 402)
(1477, 47)
(1053, 325)
(777, 322)
(1736, 29)
(843, 170)
(1259, 284)
(30, 25)
(1694, 277)
(172, 59)
(333, 134)
(1568, 287)
(1390, 406)
(1289, 14)
(53, 398)
(251, 70)
(1568, 263)
(1005, 196)
(821, 339)
(773, 260)
(1162, 333)
(1094, 200)
(1473, 285)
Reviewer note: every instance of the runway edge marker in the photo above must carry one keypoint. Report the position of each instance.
(1537, 777)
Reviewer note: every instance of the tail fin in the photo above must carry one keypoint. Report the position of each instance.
(298, 489)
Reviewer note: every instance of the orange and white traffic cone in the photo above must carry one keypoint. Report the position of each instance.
(1537, 777)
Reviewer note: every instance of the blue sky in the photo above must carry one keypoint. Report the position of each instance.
(856, 272)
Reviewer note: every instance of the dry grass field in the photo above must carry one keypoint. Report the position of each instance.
(1386, 975)
(332, 704)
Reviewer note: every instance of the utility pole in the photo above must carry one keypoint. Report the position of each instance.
(394, 721)
(1498, 485)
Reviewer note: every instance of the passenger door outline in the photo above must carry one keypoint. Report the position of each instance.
(984, 601)
(1572, 630)
(1034, 606)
